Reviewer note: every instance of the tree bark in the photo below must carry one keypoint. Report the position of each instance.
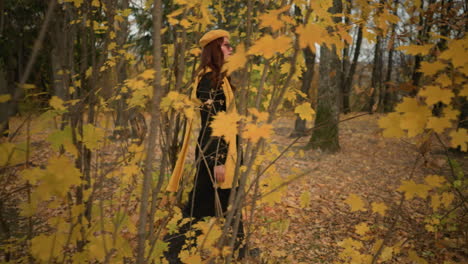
(154, 126)
(325, 135)
(348, 81)
(307, 76)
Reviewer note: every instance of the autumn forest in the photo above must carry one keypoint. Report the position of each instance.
(351, 127)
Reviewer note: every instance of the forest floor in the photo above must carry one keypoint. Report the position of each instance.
(369, 166)
(309, 229)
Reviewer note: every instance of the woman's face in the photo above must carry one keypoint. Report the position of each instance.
(226, 48)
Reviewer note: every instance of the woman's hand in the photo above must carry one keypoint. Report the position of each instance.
(219, 173)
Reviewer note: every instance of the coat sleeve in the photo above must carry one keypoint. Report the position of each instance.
(214, 149)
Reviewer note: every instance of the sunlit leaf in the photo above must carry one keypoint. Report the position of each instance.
(435, 94)
(237, 60)
(267, 46)
(305, 111)
(225, 125)
(379, 208)
(391, 125)
(435, 180)
(459, 138)
(412, 189)
(362, 229)
(254, 132)
(355, 202)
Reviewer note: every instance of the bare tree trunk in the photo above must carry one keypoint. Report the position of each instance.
(387, 101)
(307, 76)
(348, 81)
(154, 125)
(325, 136)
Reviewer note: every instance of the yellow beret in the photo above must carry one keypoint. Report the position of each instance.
(212, 35)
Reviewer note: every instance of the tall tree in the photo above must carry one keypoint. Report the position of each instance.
(325, 134)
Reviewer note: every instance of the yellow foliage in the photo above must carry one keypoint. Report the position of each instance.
(391, 125)
(46, 247)
(237, 60)
(435, 94)
(211, 232)
(225, 125)
(412, 255)
(12, 154)
(311, 34)
(57, 103)
(386, 254)
(355, 202)
(412, 189)
(304, 199)
(438, 124)
(362, 229)
(93, 136)
(254, 132)
(435, 180)
(379, 208)
(459, 138)
(416, 49)
(305, 111)
(454, 50)
(431, 68)
(261, 116)
(5, 98)
(267, 46)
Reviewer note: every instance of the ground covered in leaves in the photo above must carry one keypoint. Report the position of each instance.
(314, 223)
(312, 228)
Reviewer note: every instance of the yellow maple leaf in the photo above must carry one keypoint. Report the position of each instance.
(93, 136)
(464, 91)
(225, 125)
(431, 68)
(310, 34)
(436, 201)
(379, 208)
(447, 199)
(412, 255)
(414, 122)
(362, 229)
(350, 243)
(304, 199)
(435, 94)
(409, 104)
(387, 253)
(254, 132)
(444, 80)
(57, 103)
(435, 180)
(5, 98)
(237, 60)
(451, 113)
(454, 49)
(439, 124)
(270, 19)
(412, 189)
(261, 116)
(459, 138)
(267, 46)
(416, 49)
(305, 111)
(391, 125)
(355, 202)
(148, 74)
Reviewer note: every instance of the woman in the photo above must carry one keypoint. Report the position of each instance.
(215, 158)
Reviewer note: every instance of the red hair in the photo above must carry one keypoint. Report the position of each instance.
(212, 57)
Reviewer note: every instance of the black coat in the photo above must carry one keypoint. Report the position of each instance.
(210, 152)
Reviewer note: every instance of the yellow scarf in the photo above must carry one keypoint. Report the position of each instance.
(231, 160)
